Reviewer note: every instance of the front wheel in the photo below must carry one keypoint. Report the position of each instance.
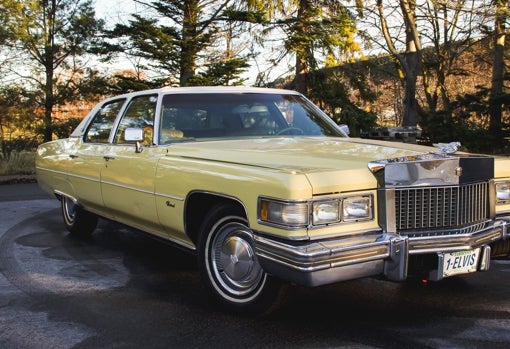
(229, 267)
(78, 222)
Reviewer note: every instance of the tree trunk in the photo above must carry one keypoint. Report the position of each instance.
(412, 62)
(49, 103)
(188, 42)
(409, 63)
(300, 81)
(498, 70)
(410, 117)
(48, 62)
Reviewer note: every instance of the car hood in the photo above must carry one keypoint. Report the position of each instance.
(322, 160)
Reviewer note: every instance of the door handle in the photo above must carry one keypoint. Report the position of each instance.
(73, 156)
(108, 158)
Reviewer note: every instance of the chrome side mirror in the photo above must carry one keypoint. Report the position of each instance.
(345, 129)
(134, 134)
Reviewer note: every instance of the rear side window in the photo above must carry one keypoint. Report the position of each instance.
(102, 124)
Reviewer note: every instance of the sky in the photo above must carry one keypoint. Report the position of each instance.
(113, 11)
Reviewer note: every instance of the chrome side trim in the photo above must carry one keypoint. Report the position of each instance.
(67, 174)
(129, 187)
(83, 177)
(112, 184)
(178, 198)
(38, 168)
(151, 233)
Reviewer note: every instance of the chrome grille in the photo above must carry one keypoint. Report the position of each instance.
(438, 207)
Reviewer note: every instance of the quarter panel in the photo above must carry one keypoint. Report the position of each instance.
(52, 163)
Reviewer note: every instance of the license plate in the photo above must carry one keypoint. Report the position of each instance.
(461, 262)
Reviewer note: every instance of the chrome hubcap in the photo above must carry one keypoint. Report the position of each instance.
(70, 209)
(237, 258)
(234, 262)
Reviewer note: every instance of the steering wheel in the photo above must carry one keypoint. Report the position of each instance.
(288, 129)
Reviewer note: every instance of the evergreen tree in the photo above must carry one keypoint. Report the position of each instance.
(176, 41)
(317, 33)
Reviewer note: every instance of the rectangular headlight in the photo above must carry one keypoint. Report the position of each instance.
(293, 214)
(502, 192)
(326, 212)
(302, 214)
(357, 207)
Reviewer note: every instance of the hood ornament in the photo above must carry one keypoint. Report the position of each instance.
(447, 148)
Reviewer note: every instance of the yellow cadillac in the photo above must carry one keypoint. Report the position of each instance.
(267, 190)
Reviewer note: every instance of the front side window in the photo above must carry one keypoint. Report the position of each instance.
(139, 114)
(101, 126)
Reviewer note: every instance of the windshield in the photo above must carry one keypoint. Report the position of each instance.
(197, 116)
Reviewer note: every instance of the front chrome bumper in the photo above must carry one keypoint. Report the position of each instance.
(377, 253)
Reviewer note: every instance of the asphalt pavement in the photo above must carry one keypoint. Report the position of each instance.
(122, 289)
(12, 189)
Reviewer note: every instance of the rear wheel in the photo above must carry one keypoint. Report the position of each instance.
(229, 267)
(79, 222)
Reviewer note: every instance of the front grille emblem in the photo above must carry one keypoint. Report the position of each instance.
(458, 171)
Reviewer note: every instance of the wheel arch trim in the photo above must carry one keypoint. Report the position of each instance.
(60, 194)
(193, 215)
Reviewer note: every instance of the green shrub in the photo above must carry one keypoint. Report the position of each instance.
(18, 163)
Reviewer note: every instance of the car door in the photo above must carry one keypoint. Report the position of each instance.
(127, 178)
(87, 155)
